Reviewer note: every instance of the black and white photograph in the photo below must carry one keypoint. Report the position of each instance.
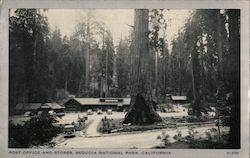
(124, 78)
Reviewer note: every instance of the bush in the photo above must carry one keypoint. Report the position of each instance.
(178, 136)
(207, 142)
(18, 137)
(191, 135)
(209, 136)
(164, 139)
(37, 131)
(107, 125)
(158, 137)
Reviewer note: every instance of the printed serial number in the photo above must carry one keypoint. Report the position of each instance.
(232, 152)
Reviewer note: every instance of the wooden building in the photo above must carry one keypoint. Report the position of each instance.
(35, 107)
(179, 99)
(52, 106)
(23, 107)
(83, 104)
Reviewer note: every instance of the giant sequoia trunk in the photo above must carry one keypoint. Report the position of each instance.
(219, 45)
(142, 107)
(87, 59)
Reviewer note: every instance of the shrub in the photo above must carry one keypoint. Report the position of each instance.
(164, 139)
(191, 135)
(37, 131)
(209, 136)
(175, 137)
(18, 137)
(158, 137)
(178, 136)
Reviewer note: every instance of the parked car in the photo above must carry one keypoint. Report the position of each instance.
(81, 119)
(51, 112)
(89, 112)
(27, 113)
(190, 111)
(99, 111)
(60, 114)
(39, 112)
(69, 131)
(109, 111)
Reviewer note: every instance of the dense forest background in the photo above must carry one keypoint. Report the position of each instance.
(203, 63)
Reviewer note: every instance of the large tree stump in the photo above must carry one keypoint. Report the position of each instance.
(142, 112)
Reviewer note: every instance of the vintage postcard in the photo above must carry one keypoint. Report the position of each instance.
(124, 79)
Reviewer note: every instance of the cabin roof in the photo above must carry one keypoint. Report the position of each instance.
(53, 106)
(102, 101)
(28, 106)
(179, 98)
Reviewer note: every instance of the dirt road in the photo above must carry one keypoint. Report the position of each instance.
(146, 139)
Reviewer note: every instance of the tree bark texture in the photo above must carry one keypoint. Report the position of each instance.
(142, 108)
(219, 44)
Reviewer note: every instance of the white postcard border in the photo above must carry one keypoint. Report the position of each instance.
(243, 5)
